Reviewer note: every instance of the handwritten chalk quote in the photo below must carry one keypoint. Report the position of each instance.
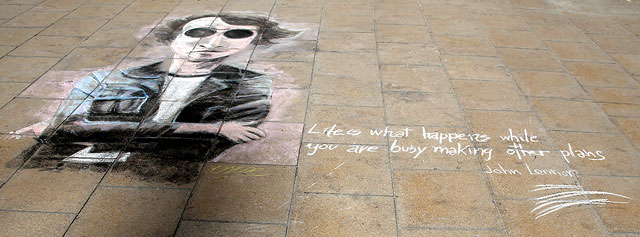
(453, 144)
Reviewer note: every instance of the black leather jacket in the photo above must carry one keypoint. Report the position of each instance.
(125, 101)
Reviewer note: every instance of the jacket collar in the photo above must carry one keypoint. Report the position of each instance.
(150, 71)
(153, 71)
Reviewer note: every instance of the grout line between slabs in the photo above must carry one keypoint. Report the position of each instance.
(304, 128)
(204, 164)
(482, 35)
(111, 166)
(386, 119)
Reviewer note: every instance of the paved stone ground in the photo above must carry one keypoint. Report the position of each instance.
(567, 71)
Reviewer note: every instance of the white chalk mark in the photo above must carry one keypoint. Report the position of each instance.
(571, 201)
(339, 166)
(124, 157)
(554, 202)
(313, 184)
(549, 203)
(575, 193)
(554, 186)
(558, 207)
(579, 202)
(86, 152)
(85, 156)
(283, 205)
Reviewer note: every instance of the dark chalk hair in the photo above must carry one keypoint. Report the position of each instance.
(267, 32)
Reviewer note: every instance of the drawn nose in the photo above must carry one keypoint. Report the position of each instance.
(211, 42)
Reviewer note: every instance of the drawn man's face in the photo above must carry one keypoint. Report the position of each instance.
(209, 38)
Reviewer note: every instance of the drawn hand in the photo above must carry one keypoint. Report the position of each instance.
(34, 129)
(240, 132)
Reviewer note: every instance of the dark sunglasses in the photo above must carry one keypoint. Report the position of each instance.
(232, 34)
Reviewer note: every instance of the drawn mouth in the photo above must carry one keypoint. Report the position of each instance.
(209, 51)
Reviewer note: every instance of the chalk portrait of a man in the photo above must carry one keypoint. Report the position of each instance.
(190, 106)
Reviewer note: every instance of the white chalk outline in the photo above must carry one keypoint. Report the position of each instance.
(85, 156)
